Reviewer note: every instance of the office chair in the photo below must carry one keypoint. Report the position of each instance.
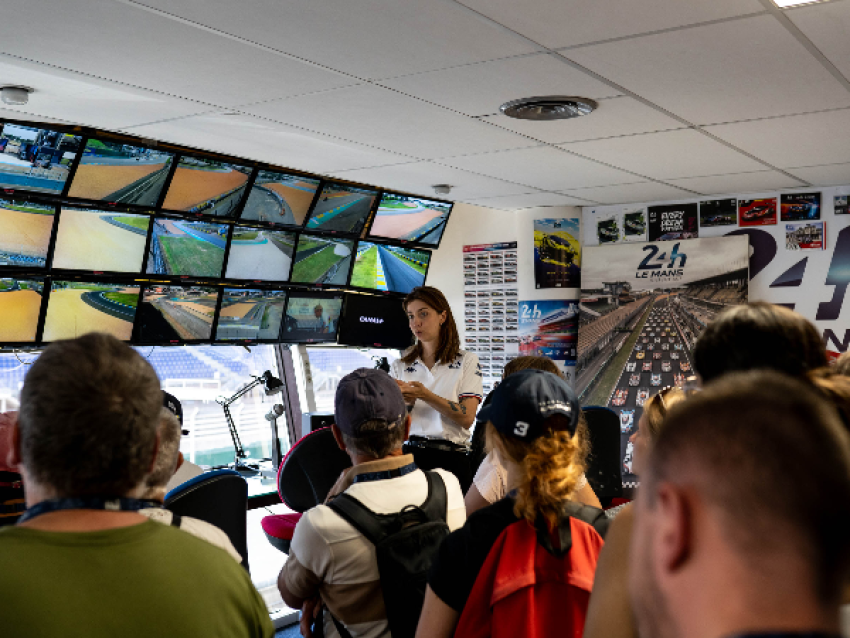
(220, 498)
(603, 465)
(306, 475)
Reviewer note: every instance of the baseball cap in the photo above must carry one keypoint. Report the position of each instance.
(525, 399)
(173, 403)
(367, 395)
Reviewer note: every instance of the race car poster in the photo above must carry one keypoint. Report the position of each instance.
(672, 222)
(718, 212)
(557, 253)
(757, 212)
(634, 225)
(799, 207)
(839, 205)
(549, 328)
(642, 308)
(804, 236)
(608, 230)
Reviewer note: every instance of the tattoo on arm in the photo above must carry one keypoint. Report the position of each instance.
(463, 408)
(454, 406)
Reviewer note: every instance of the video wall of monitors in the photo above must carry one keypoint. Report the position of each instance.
(162, 245)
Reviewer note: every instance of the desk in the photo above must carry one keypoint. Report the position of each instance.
(262, 490)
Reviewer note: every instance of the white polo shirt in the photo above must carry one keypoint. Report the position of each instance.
(452, 381)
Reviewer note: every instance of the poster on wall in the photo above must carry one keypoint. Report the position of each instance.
(678, 221)
(634, 225)
(718, 212)
(491, 306)
(549, 328)
(839, 205)
(799, 206)
(757, 212)
(607, 230)
(642, 307)
(804, 236)
(557, 253)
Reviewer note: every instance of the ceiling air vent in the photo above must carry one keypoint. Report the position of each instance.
(551, 107)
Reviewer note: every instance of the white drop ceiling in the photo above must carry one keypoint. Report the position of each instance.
(696, 97)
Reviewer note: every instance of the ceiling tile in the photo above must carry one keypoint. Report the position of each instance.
(561, 23)
(614, 117)
(368, 38)
(479, 89)
(271, 142)
(519, 202)
(827, 26)
(419, 177)
(802, 140)
(755, 182)
(542, 167)
(631, 193)
(745, 69)
(829, 175)
(119, 42)
(667, 155)
(384, 118)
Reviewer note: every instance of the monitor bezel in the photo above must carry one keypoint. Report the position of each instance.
(362, 343)
(406, 242)
(307, 294)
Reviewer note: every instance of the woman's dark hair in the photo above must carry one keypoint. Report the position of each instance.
(758, 335)
(449, 345)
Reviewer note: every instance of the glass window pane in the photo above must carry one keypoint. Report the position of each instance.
(329, 365)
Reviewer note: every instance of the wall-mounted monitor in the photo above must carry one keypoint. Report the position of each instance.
(260, 254)
(322, 260)
(36, 159)
(187, 249)
(389, 268)
(25, 230)
(342, 208)
(207, 186)
(20, 305)
(101, 241)
(112, 171)
(410, 218)
(75, 308)
(311, 318)
(374, 322)
(175, 314)
(280, 198)
(250, 315)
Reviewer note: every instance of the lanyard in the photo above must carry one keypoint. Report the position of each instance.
(87, 503)
(385, 474)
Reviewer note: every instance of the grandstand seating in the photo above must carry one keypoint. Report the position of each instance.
(594, 331)
(178, 363)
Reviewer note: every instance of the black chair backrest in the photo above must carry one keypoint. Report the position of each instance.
(219, 498)
(310, 470)
(604, 466)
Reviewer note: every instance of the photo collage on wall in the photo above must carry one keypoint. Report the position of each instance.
(491, 306)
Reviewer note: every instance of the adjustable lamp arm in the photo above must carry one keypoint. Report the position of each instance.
(225, 404)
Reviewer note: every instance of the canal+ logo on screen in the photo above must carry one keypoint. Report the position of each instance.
(660, 267)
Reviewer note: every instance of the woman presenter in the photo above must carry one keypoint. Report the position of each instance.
(441, 385)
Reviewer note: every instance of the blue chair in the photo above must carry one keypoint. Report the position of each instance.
(220, 498)
(604, 467)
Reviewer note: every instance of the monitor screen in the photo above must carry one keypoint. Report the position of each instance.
(25, 229)
(390, 268)
(369, 321)
(100, 241)
(250, 315)
(36, 159)
(260, 254)
(75, 308)
(207, 186)
(189, 249)
(342, 208)
(170, 314)
(20, 305)
(280, 198)
(111, 171)
(413, 219)
(322, 260)
(311, 318)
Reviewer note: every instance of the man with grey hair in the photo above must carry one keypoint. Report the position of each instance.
(82, 561)
(328, 557)
(741, 520)
(167, 459)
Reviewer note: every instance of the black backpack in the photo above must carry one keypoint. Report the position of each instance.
(12, 503)
(405, 544)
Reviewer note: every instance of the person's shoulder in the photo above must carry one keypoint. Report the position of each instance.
(211, 534)
(488, 522)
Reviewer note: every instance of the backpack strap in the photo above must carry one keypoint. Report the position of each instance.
(436, 506)
(176, 519)
(593, 516)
